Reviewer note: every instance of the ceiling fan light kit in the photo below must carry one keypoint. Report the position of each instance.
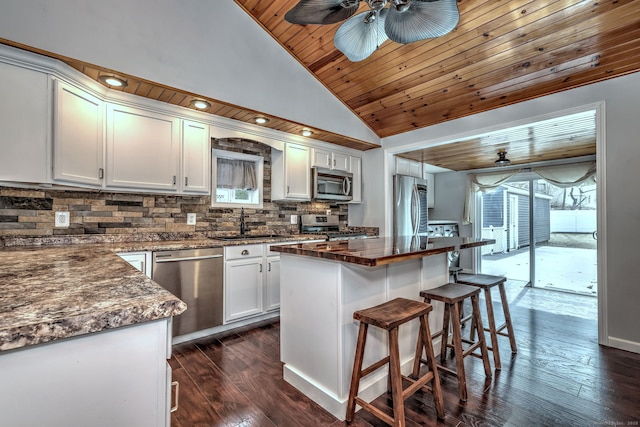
(404, 21)
(502, 159)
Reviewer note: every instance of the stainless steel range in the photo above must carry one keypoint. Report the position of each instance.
(327, 227)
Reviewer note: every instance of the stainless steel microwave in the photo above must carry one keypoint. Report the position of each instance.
(331, 184)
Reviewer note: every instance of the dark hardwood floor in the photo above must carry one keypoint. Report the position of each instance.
(560, 377)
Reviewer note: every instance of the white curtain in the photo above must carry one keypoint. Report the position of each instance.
(236, 174)
(575, 174)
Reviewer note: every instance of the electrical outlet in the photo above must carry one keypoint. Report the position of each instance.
(191, 219)
(294, 219)
(328, 211)
(62, 219)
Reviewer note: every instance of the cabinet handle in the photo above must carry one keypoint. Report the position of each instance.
(100, 173)
(269, 269)
(334, 162)
(175, 384)
(244, 252)
(287, 189)
(260, 268)
(174, 180)
(186, 181)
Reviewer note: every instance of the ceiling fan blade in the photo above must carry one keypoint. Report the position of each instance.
(423, 19)
(321, 11)
(360, 36)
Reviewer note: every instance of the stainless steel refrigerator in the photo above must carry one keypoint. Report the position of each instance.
(410, 206)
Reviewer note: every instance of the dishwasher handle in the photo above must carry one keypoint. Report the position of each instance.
(161, 258)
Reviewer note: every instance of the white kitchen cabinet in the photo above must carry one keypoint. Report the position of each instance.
(243, 281)
(117, 377)
(408, 167)
(24, 125)
(196, 158)
(291, 173)
(330, 159)
(430, 189)
(272, 283)
(355, 167)
(78, 136)
(140, 260)
(143, 149)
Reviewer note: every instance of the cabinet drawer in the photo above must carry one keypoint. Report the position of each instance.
(243, 251)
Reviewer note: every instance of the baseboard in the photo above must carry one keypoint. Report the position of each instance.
(622, 344)
(222, 328)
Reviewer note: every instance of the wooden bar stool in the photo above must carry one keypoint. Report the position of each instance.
(389, 316)
(453, 296)
(486, 282)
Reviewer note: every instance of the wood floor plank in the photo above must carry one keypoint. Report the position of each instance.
(560, 376)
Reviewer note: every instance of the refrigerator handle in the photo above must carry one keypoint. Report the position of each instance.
(415, 211)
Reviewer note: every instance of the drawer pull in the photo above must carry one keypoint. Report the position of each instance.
(175, 384)
(245, 252)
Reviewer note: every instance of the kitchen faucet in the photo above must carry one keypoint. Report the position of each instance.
(243, 226)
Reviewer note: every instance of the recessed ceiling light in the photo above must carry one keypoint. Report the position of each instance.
(260, 120)
(112, 81)
(200, 104)
(306, 132)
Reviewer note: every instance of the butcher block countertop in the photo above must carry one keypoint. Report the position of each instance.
(382, 250)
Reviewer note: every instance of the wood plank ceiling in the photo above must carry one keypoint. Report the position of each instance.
(501, 53)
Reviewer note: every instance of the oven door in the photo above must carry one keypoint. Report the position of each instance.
(332, 185)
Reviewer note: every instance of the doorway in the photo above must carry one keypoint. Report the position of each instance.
(545, 237)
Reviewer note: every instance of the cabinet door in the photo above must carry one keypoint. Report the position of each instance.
(142, 149)
(297, 172)
(242, 288)
(24, 125)
(196, 157)
(430, 189)
(321, 158)
(140, 260)
(78, 141)
(408, 167)
(340, 162)
(272, 291)
(355, 167)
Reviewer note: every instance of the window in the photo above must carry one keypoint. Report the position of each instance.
(236, 179)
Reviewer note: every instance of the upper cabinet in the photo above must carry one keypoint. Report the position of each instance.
(355, 167)
(24, 125)
(196, 157)
(78, 141)
(330, 160)
(291, 173)
(142, 149)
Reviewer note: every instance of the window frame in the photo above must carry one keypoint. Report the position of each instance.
(259, 160)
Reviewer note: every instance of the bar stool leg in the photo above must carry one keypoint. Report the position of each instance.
(436, 389)
(445, 333)
(396, 379)
(357, 371)
(481, 338)
(492, 329)
(507, 318)
(457, 346)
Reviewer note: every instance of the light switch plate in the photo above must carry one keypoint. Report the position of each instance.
(294, 219)
(191, 219)
(328, 211)
(62, 219)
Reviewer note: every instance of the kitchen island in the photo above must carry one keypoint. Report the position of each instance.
(322, 284)
(84, 339)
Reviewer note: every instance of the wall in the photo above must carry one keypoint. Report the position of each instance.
(619, 209)
(27, 212)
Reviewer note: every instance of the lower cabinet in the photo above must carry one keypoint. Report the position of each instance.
(117, 377)
(140, 260)
(251, 281)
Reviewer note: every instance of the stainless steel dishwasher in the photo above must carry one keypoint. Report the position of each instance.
(196, 277)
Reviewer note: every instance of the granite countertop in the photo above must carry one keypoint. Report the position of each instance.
(48, 294)
(62, 287)
(383, 250)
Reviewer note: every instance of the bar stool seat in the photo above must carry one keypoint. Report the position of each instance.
(389, 316)
(486, 282)
(453, 296)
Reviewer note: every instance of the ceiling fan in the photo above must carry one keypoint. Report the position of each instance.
(404, 21)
